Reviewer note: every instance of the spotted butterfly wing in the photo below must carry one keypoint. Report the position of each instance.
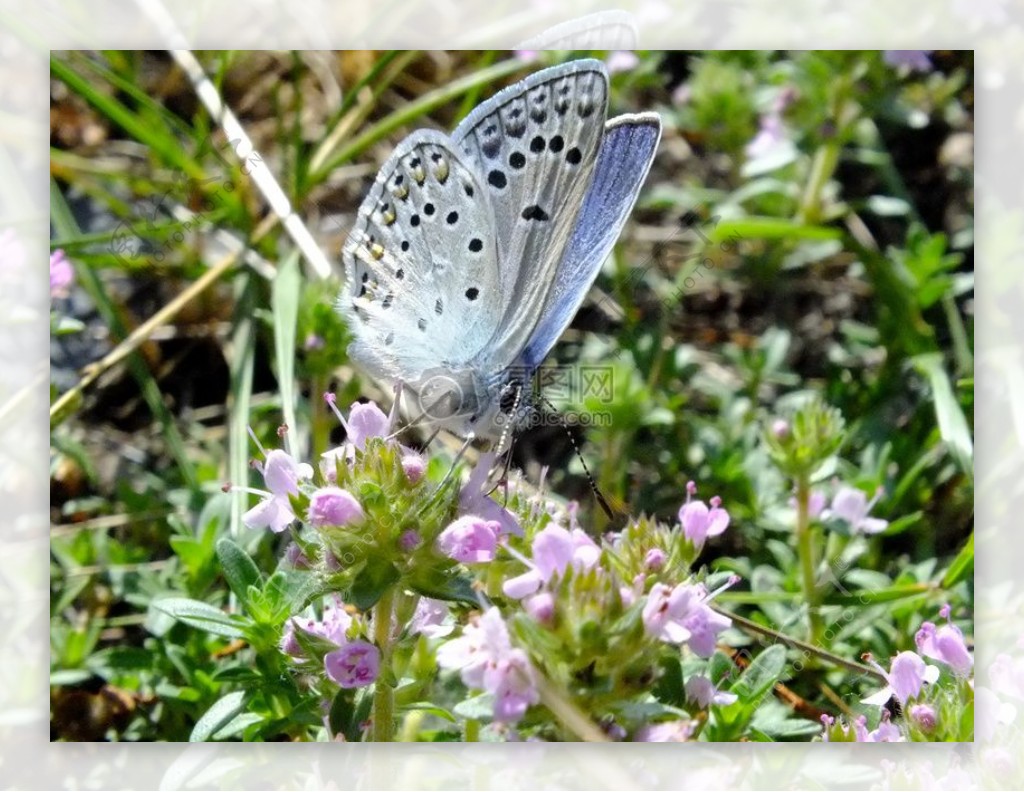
(534, 145)
(627, 150)
(421, 264)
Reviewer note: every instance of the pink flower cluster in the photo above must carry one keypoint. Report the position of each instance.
(887, 731)
(487, 661)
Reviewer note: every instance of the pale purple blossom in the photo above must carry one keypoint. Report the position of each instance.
(413, 465)
(282, 474)
(911, 60)
(852, 505)
(541, 607)
(429, 619)
(703, 692)
(554, 549)
(886, 731)
(682, 615)
(470, 539)
(621, 61)
(364, 421)
(945, 644)
(356, 664)
(334, 626)
(670, 731)
(62, 274)
(333, 506)
(924, 716)
(699, 522)
(409, 540)
(487, 661)
(655, 559)
(771, 137)
(906, 676)
(313, 342)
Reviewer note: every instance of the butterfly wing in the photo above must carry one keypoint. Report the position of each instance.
(534, 145)
(627, 150)
(421, 264)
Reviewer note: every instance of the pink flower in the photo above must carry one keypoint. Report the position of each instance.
(541, 607)
(62, 275)
(703, 692)
(699, 522)
(366, 421)
(356, 664)
(554, 549)
(414, 466)
(905, 678)
(487, 661)
(333, 506)
(655, 559)
(852, 505)
(333, 626)
(670, 731)
(945, 644)
(911, 60)
(470, 539)
(281, 473)
(429, 619)
(682, 615)
(923, 716)
(621, 61)
(770, 138)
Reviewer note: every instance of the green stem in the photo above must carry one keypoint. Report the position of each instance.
(806, 552)
(321, 417)
(383, 693)
(826, 158)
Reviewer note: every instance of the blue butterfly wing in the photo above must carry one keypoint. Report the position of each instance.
(625, 156)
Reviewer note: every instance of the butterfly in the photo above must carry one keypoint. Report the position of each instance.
(472, 252)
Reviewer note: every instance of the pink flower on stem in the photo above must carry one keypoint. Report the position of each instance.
(905, 678)
(356, 664)
(670, 731)
(945, 644)
(682, 615)
(429, 619)
(487, 661)
(703, 692)
(333, 506)
(698, 521)
(281, 474)
(333, 626)
(470, 539)
(852, 505)
(554, 550)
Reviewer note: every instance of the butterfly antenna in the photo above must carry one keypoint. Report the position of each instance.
(605, 507)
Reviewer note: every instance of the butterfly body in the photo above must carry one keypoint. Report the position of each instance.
(472, 252)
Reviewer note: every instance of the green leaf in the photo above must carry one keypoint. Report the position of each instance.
(240, 570)
(961, 566)
(455, 588)
(200, 615)
(952, 423)
(220, 714)
(432, 709)
(371, 583)
(284, 302)
(669, 688)
(761, 674)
